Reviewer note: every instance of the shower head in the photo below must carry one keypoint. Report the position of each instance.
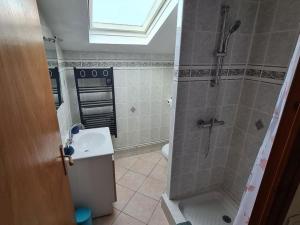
(235, 26)
(232, 29)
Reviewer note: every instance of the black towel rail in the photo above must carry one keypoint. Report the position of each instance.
(96, 97)
(54, 76)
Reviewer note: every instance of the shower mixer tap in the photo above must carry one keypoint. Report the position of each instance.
(210, 123)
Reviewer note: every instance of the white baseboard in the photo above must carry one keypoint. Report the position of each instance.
(139, 149)
(141, 145)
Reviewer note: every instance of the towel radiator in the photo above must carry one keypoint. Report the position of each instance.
(96, 97)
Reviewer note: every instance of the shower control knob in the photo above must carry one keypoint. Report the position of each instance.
(200, 122)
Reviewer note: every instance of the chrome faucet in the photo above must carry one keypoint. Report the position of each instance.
(80, 127)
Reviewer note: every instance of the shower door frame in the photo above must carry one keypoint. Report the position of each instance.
(282, 174)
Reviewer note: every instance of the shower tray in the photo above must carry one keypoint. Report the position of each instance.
(212, 208)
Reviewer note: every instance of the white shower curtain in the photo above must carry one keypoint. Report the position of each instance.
(258, 169)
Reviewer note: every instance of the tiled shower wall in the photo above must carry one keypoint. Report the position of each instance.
(244, 99)
(191, 171)
(274, 39)
(142, 88)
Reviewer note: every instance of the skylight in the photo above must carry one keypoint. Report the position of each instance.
(122, 12)
(127, 21)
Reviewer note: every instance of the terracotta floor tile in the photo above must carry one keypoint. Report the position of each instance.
(107, 220)
(126, 162)
(124, 219)
(159, 173)
(143, 167)
(153, 157)
(141, 207)
(153, 188)
(132, 180)
(120, 171)
(158, 217)
(123, 196)
(163, 162)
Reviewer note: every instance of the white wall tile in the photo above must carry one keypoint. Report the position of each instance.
(144, 88)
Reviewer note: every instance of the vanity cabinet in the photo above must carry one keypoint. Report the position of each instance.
(92, 177)
(93, 184)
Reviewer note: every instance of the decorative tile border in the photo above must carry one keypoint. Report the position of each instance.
(68, 63)
(209, 72)
(253, 72)
(267, 74)
(189, 74)
(236, 72)
(200, 73)
(184, 73)
(52, 63)
(114, 56)
(276, 75)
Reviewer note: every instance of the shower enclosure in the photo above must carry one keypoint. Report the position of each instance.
(231, 61)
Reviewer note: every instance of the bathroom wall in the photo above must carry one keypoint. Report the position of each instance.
(142, 88)
(274, 40)
(63, 112)
(251, 79)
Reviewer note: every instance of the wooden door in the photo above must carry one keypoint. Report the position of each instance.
(33, 187)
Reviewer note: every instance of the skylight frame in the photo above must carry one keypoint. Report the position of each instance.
(127, 28)
(127, 37)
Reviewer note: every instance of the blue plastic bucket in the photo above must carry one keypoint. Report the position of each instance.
(83, 216)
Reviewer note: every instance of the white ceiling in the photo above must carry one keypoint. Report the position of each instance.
(69, 20)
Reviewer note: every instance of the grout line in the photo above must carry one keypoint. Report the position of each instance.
(128, 199)
(122, 175)
(134, 218)
(146, 176)
(153, 212)
(137, 191)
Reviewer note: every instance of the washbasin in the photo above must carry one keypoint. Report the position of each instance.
(91, 143)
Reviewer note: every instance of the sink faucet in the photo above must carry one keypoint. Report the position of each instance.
(72, 131)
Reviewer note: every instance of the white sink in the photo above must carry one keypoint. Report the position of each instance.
(92, 142)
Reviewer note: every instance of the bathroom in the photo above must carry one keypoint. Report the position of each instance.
(179, 96)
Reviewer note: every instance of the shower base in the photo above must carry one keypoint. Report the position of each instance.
(213, 208)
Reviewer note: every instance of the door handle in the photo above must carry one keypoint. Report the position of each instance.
(69, 159)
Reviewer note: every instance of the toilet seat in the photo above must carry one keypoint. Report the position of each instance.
(165, 151)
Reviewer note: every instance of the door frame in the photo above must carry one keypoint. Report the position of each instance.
(282, 174)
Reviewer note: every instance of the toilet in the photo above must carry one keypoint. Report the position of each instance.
(165, 148)
(165, 151)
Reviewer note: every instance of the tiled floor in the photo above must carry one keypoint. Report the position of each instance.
(141, 179)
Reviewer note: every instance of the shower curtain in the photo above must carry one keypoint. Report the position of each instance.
(258, 169)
